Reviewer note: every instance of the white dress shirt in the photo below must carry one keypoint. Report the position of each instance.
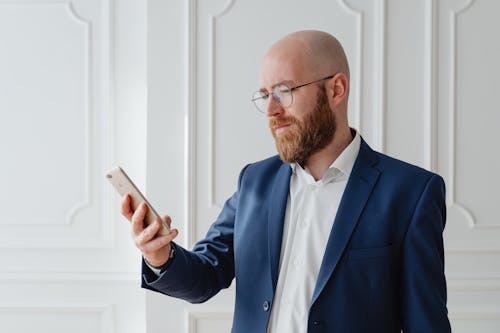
(310, 212)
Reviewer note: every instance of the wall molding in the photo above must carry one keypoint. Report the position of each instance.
(379, 70)
(476, 283)
(193, 318)
(74, 18)
(190, 149)
(96, 111)
(378, 98)
(106, 312)
(360, 23)
(61, 276)
(431, 86)
(474, 313)
(212, 203)
(452, 111)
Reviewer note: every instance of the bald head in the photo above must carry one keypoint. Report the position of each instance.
(316, 52)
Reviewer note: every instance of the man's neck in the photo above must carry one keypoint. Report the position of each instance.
(318, 163)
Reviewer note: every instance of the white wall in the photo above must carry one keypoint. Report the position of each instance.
(163, 88)
(424, 78)
(72, 105)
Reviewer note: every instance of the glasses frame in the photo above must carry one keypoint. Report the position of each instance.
(276, 96)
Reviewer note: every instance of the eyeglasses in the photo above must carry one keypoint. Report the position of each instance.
(281, 93)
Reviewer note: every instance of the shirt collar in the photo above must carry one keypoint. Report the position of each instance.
(345, 161)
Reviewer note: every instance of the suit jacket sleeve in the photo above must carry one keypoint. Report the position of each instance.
(424, 284)
(197, 275)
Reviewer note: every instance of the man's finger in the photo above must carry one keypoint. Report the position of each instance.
(138, 219)
(127, 212)
(148, 233)
(159, 242)
(167, 220)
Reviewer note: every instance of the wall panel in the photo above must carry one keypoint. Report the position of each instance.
(55, 88)
(226, 131)
(465, 120)
(67, 264)
(467, 114)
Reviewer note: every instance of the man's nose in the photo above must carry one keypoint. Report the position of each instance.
(274, 107)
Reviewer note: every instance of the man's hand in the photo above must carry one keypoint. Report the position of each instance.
(156, 250)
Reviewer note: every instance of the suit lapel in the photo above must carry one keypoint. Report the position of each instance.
(277, 209)
(359, 187)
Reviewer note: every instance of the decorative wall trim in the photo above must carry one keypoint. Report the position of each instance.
(379, 70)
(85, 201)
(88, 67)
(452, 111)
(430, 86)
(483, 247)
(452, 123)
(380, 95)
(69, 277)
(191, 117)
(190, 200)
(100, 111)
(211, 118)
(359, 19)
(107, 117)
(462, 283)
(474, 314)
(194, 317)
(106, 312)
(379, 100)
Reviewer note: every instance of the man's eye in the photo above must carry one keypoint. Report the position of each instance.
(264, 96)
(284, 90)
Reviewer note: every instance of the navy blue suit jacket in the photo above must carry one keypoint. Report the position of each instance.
(383, 268)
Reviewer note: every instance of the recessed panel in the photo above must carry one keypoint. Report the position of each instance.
(240, 133)
(230, 39)
(53, 101)
(467, 118)
(210, 322)
(478, 112)
(45, 104)
(52, 320)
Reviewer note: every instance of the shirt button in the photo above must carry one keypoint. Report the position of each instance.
(265, 306)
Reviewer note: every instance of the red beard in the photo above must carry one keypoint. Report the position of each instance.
(302, 138)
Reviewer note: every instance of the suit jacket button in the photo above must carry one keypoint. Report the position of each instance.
(265, 306)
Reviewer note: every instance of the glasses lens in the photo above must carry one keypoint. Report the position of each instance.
(260, 99)
(284, 94)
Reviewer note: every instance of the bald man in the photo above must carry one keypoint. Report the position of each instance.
(329, 236)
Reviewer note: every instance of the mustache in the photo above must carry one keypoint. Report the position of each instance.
(276, 122)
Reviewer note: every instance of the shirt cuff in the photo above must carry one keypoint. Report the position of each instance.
(153, 269)
(158, 271)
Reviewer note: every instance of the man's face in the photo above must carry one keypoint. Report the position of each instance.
(308, 124)
(298, 138)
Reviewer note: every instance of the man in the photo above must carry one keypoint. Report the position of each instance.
(330, 236)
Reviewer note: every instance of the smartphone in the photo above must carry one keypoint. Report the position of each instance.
(123, 184)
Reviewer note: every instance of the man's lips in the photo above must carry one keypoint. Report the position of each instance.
(280, 128)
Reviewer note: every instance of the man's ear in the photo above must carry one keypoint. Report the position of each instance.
(338, 86)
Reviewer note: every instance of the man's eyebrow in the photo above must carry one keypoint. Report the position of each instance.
(287, 82)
